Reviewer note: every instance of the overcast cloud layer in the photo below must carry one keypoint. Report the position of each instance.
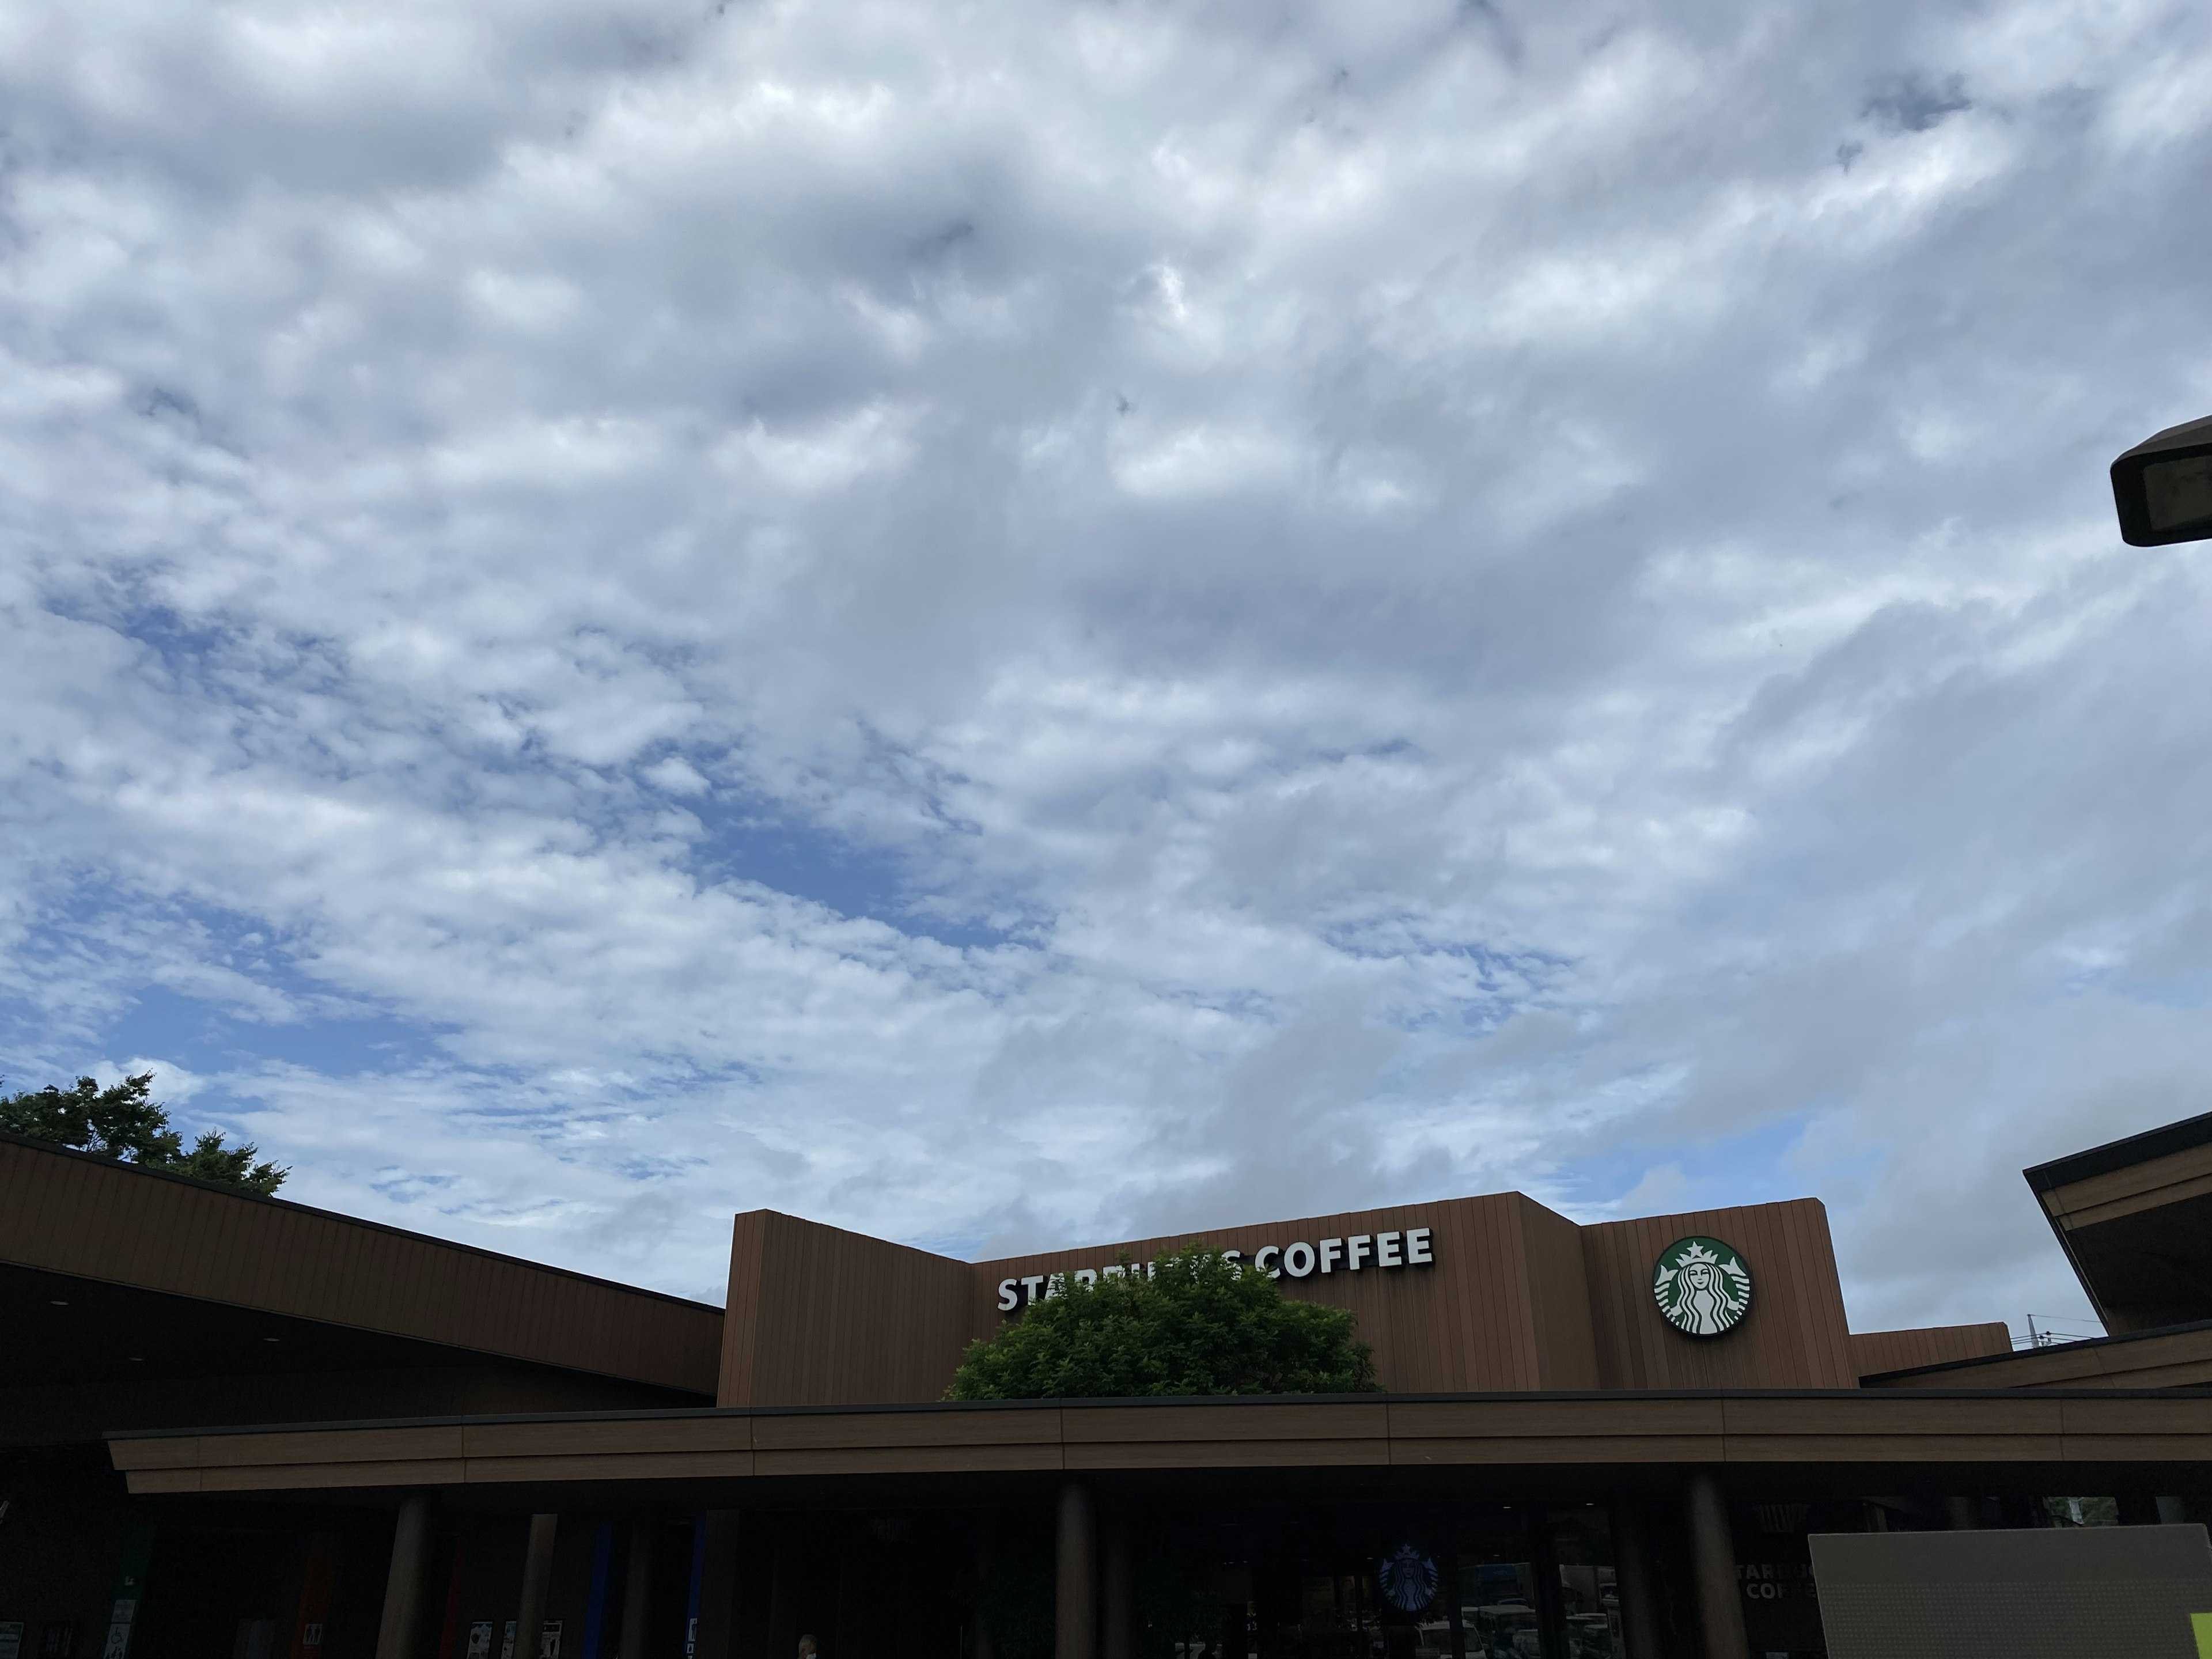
(1017, 624)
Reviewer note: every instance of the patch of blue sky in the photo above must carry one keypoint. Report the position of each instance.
(749, 837)
(1641, 1175)
(206, 1038)
(112, 975)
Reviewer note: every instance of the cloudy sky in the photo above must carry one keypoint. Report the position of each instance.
(1007, 624)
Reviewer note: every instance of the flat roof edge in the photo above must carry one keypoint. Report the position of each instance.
(55, 1149)
(1614, 1396)
(2129, 1150)
(2054, 1347)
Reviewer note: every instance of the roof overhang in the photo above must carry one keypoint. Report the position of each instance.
(1904, 1434)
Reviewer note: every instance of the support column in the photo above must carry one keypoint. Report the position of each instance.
(1117, 1589)
(1075, 1605)
(783, 1631)
(1962, 1513)
(637, 1589)
(1637, 1579)
(718, 1585)
(537, 1581)
(985, 1647)
(403, 1585)
(1712, 1555)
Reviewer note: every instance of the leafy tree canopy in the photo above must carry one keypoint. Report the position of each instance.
(1197, 1324)
(125, 1121)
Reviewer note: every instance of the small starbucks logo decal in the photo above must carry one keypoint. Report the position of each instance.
(1409, 1578)
(1702, 1286)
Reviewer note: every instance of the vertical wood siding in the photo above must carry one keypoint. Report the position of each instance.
(819, 1316)
(1875, 1351)
(94, 1218)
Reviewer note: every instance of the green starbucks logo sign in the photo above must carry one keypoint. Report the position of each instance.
(1702, 1286)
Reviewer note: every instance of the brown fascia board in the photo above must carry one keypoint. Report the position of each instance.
(1593, 1397)
(2113, 1155)
(271, 1213)
(2082, 1344)
(2107, 1159)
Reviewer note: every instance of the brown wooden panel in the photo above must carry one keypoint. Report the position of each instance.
(1874, 1351)
(308, 1477)
(2182, 1374)
(1559, 1277)
(837, 1318)
(2138, 1186)
(178, 1452)
(1897, 1448)
(1879, 1413)
(1330, 1453)
(1465, 1322)
(2138, 1448)
(96, 1219)
(611, 1466)
(715, 1435)
(1521, 1451)
(1414, 1420)
(318, 1445)
(1179, 1423)
(1037, 1426)
(907, 1459)
(1795, 1336)
(2178, 1416)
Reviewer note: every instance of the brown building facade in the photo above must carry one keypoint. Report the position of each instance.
(237, 1428)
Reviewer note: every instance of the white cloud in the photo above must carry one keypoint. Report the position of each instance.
(1004, 626)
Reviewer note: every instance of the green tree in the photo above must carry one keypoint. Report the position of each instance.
(1197, 1324)
(124, 1122)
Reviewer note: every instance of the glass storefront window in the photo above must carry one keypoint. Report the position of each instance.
(1499, 1614)
(1590, 1595)
(1473, 1581)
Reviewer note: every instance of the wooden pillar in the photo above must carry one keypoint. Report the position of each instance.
(1636, 1578)
(1117, 1589)
(536, 1583)
(985, 1647)
(403, 1585)
(783, 1631)
(718, 1585)
(637, 1589)
(1712, 1555)
(1962, 1513)
(1075, 1604)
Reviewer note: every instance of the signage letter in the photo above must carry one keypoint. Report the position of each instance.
(1417, 1253)
(1356, 1250)
(1232, 1255)
(1265, 1254)
(1386, 1254)
(1114, 1270)
(1009, 1297)
(1298, 1259)
(1031, 1286)
(1332, 1252)
(1086, 1275)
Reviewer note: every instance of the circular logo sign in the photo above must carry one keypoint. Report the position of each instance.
(1702, 1286)
(1409, 1578)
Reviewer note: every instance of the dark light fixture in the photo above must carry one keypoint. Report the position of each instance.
(2162, 487)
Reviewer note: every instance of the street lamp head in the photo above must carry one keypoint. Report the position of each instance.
(2163, 487)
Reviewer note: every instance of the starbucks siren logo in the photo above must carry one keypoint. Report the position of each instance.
(1409, 1578)
(1702, 1286)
